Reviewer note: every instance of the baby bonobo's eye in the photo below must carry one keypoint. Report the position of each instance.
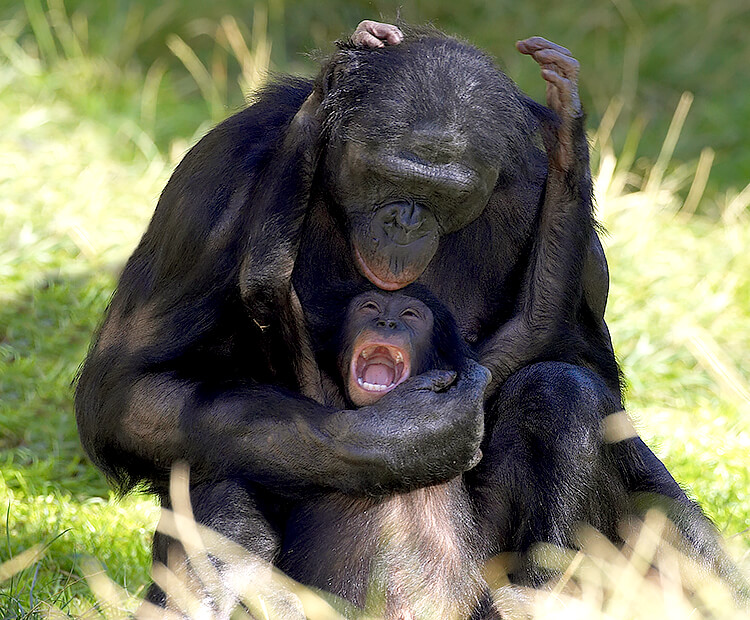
(410, 314)
(370, 305)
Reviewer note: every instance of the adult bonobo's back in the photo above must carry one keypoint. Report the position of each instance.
(415, 162)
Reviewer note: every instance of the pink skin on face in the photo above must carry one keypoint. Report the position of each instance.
(379, 282)
(376, 368)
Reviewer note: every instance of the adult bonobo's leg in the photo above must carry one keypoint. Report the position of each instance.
(550, 463)
(650, 485)
(544, 469)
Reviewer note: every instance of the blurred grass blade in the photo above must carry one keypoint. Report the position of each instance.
(200, 74)
(42, 32)
(737, 206)
(253, 64)
(667, 149)
(150, 94)
(58, 17)
(699, 182)
(709, 355)
(21, 562)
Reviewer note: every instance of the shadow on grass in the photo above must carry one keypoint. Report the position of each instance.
(55, 506)
(45, 330)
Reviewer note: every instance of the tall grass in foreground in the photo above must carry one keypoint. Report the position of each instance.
(80, 171)
(648, 578)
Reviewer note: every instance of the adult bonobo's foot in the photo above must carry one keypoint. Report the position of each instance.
(560, 70)
(375, 34)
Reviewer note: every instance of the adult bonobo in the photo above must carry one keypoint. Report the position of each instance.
(412, 162)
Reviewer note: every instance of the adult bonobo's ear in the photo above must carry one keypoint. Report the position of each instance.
(340, 63)
(304, 135)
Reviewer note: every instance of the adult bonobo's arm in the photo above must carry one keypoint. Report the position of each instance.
(567, 268)
(182, 368)
(266, 274)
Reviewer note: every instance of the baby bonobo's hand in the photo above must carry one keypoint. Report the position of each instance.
(560, 71)
(375, 34)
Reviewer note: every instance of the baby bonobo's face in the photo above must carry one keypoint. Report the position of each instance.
(385, 339)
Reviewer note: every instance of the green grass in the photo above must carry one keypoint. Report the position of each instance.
(646, 53)
(75, 197)
(90, 134)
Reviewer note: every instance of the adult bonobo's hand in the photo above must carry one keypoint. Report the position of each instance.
(560, 70)
(429, 429)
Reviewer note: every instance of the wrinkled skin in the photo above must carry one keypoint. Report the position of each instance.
(412, 162)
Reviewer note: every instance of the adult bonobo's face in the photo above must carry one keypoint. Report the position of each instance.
(417, 135)
(385, 340)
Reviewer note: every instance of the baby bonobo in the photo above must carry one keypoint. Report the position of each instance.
(402, 556)
(383, 336)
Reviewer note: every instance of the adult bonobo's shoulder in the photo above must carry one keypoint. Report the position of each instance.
(236, 149)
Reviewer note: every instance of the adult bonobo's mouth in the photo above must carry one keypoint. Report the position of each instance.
(376, 368)
(396, 245)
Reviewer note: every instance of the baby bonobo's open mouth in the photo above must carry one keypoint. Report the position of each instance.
(376, 369)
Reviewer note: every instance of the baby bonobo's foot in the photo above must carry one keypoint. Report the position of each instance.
(560, 70)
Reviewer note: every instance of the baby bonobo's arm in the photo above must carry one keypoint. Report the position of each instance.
(553, 289)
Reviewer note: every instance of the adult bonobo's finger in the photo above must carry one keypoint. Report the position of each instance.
(386, 32)
(376, 34)
(563, 92)
(434, 380)
(365, 39)
(474, 378)
(535, 44)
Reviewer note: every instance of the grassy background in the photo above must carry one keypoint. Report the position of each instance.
(99, 100)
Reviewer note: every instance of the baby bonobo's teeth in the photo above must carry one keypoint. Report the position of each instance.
(373, 387)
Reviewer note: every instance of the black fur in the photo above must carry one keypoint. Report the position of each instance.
(200, 355)
(394, 544)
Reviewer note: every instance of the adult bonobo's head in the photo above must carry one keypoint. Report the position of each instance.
(387, 337)
(416, 135)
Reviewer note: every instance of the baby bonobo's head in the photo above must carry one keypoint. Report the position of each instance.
(386, 338)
